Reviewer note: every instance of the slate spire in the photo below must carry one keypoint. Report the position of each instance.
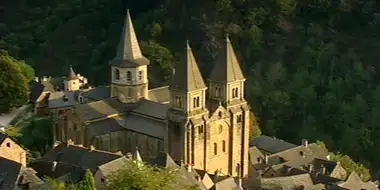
(227, 67)
(187, 76)
(128, 51)
(71, 75)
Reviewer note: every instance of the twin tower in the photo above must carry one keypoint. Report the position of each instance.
(208, 126)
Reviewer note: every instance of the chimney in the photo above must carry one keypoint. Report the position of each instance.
(44, 78)
(323, 169)
(54, 166)
(311, 168)
(36, 79)
(92, 148)
(69, 142)
(65, 99)
(304, 143)
(266, 159)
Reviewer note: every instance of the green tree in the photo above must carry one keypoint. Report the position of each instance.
(88, 182)
(13, 84)
(145, 177)
(348, 164)
(37, 134)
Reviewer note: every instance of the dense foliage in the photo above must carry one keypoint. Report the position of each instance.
(35, 134)
(311, 65)
(87, 183)
(139, 176)
(14, 76)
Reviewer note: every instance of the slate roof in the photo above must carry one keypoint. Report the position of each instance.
(187, 76)
(36, 90)
(271, 145)
(13, 173)
(162, 160)
(112, 166)
(96, 94)
(226, 184)
(79, 156)
(52, 83)
(2, 137)
(354, 182)
(287, 183)
(9, 173)
(56, 99)
(128, 52)
(160, 94)
(104, 126)
(227, 67)
(310, 152)
(152, 109)
(71, 75)
(71, 172)
(131, 122)
(101, 109)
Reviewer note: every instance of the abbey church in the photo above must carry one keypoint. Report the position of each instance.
(196, 121)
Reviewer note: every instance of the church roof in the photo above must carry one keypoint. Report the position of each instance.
(129, 52)
(227, 67)
(71, 75)
(187, 76)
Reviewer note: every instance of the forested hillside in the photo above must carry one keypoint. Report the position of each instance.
(312, 65)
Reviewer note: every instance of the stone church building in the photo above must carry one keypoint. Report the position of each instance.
(200, 122)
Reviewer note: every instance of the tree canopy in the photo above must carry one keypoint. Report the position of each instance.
(145, 177)
(14, 89)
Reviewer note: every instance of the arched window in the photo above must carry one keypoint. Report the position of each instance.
(233, 93)
(117, 74)
(129, 76)
(140, 75)
(236, 92)
(215, 149)
(224, 146)
(198, 104)
(194, 102)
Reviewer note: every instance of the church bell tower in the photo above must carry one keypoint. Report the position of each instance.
(129, 69)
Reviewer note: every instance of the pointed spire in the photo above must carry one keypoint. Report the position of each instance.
(227, 67)
(187, 76)
(129, 52)
(71, 75)
(137, 158)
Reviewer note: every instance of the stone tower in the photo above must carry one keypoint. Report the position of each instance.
(226, 85)
(71, 83)
(188, 113)
(129, 69)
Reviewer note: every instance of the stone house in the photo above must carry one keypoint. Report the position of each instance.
(10, 150)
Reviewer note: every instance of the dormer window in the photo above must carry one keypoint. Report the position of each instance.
(129, 76)
(117, 74)
(140, 75)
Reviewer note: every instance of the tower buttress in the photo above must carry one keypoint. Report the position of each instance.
(226, 84)
(188, 112)
(129, 69)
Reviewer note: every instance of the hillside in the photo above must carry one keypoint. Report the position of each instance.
(311, 65)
